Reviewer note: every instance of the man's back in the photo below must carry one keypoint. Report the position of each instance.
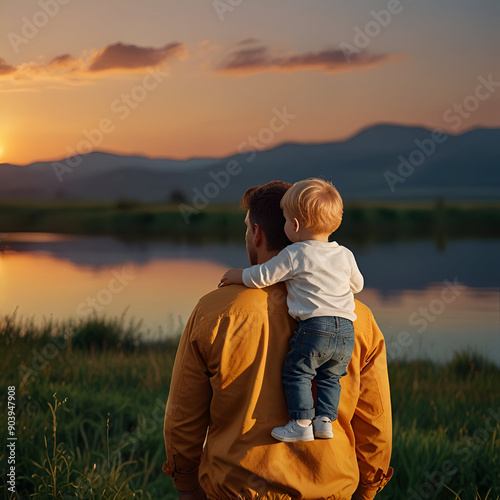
(228, 377)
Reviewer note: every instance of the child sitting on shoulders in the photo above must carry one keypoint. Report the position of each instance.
(321, 278)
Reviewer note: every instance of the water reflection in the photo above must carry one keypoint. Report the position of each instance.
(49, 275)
(436, 329)
(44, 286)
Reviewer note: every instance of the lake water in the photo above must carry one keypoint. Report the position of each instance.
(429, 302)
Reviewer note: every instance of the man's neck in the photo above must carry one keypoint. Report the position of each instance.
(265, 255)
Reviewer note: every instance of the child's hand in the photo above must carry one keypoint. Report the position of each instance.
(232, 277)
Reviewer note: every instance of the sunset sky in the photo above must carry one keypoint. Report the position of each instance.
(181, 79)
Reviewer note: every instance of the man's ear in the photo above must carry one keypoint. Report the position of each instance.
(296, 225)
(258, 235)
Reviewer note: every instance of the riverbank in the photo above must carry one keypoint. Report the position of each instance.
(370, 221)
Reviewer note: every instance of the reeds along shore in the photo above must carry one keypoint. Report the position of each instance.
(89, 407)
(368, 221)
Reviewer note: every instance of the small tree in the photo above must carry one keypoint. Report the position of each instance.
(178, 196)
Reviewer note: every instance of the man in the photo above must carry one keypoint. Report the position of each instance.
(226, 393)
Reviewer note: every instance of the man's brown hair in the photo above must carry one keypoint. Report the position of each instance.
(263, 205)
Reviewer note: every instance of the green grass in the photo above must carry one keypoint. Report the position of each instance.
(89, 415)
(446, 428)
(365, 222)
(109, 430)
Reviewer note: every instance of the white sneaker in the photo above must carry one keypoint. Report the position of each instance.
(322, 427)
(293, 433)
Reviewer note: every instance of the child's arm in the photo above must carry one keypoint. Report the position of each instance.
(357, 283)
(232, 277)
(357, 280)
(277, 269)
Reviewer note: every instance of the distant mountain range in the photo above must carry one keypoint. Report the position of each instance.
(384, 162)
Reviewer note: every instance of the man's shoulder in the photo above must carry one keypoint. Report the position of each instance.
(365, 326)
(363, 312)
(238, 299)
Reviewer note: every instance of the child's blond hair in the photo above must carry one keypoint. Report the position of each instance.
(315, 203)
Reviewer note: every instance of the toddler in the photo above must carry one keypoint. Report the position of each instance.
(321, 278)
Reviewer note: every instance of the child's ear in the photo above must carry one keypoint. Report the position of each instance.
(296, 225)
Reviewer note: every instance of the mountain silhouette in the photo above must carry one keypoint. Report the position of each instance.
(384, 162)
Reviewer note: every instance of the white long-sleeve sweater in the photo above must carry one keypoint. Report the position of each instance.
(321, 278)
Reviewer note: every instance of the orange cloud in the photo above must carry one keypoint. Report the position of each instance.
(63, 61)
(119, 58)
(6, 69)
(124, 56)
(253, 57)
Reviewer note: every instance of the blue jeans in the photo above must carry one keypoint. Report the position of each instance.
(320, 348)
